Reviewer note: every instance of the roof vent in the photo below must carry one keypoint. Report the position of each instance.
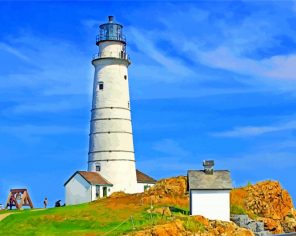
(208, 167)
(111, 19)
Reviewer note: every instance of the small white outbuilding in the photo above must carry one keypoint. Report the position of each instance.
(209, 191)
(144, 181)
(86, 186)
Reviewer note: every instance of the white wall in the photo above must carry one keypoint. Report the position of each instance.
(140, 187)
(110, 48)
(94, 196)
(111, 139)
(78, 190)
(212, 204)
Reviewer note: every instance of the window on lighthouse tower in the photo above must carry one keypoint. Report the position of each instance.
(101, 85)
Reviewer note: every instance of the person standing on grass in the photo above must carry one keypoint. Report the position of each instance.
(11, 201)
(45, 202)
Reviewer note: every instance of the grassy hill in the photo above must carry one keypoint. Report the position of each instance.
(110, 216)
(96, 218)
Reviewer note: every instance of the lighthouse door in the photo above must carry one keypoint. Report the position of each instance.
(104, 191)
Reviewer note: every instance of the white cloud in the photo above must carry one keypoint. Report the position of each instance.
(270, 161)
(15, 52)
(29, 129)
(228, 43)
(34, 133)
(276, 67)
(58, 64)
(57, 78)
(148, 49)
(41, 106)
(248, 131)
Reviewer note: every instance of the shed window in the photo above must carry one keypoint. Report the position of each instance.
(101, 85)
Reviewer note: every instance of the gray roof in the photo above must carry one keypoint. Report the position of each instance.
(220, 179)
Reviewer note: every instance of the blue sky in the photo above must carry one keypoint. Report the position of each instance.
(208, 80)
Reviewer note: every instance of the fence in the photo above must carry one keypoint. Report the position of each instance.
(133, 223)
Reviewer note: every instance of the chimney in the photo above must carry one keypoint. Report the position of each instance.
(111, 19)
(208, 167)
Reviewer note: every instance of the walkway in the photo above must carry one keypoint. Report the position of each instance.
(3, 216)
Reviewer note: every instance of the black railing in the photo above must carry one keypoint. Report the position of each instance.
(120, 55)
(113, 37)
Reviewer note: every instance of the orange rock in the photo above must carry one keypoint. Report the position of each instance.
(214, 228)
(289, 225)
(272, 225)
(266, 200)
(175, 228)
(201, 219)
(118, 194)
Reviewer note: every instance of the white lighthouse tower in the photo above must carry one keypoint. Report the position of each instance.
(111, 158)
(111, 149)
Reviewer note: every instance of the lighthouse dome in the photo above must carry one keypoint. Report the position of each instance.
(111, 31)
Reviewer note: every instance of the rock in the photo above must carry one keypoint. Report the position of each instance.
(268, 199)
(164, 211)
(271, 225)
(171, 191)
(289, 225)
(245, 222)
(241, 220)
(228, 228)
(118, 194)
(198, 226)
(267, 202)
(201, 219)
(175, 228)
(256, 226)
(263, 233)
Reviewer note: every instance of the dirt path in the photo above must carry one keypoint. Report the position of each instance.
(3, 216)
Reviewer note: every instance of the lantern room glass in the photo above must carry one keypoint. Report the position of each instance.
(111, 31)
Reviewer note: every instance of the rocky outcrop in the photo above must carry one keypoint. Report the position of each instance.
(256, 226)
(267, 202)
(289, 225)
(171, 191)
(175, 228)
(268, 199)
(198, 226)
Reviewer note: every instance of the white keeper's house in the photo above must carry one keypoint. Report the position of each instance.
(87, 186)
(111, 157)
(209, 191)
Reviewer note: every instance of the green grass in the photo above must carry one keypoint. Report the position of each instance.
(13, 211)
(194, 226)
(237, 210)
(86, 219)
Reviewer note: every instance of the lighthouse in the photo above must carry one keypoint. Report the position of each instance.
(111, 149)
(111, 157)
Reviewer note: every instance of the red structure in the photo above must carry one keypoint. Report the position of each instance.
(19, 198)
